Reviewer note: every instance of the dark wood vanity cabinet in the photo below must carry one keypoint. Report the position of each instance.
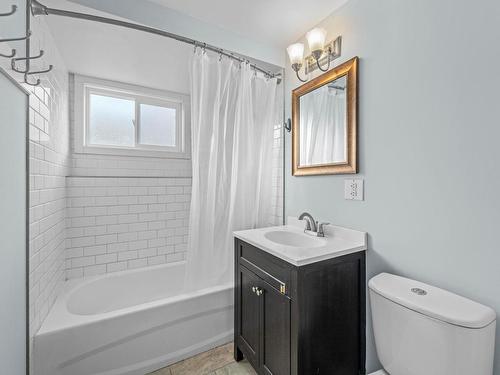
(299, 320)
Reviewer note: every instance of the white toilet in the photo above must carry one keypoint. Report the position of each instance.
(423, 330)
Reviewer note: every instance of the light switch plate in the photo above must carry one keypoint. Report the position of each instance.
(354, 190)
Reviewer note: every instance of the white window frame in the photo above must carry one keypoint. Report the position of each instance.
(85, 86)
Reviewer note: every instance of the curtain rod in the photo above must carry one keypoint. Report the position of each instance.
(38, 9)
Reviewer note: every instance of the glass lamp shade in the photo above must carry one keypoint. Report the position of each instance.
(316, 39)
(296, 53)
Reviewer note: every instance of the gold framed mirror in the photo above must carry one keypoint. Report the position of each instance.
(324, 123)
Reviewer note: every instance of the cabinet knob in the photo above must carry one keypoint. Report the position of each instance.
(257, 290)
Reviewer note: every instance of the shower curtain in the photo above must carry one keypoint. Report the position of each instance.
(233, 112)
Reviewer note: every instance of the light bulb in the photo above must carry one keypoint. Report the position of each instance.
(296, 53)
(316, 40)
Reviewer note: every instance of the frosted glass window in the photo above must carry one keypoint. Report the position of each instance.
(122, 119)
(158, 125)
(111, 121)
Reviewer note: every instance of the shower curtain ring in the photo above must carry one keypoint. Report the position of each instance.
(220, 55)
(204, 48)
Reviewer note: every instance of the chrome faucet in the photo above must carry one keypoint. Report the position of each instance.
(312, 225)
(310, 222)
(321, 232)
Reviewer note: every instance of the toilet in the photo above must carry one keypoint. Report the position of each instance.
(423, 330)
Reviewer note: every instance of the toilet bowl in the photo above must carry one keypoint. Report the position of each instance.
(423, 330)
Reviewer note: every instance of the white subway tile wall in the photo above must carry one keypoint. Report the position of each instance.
(48, 159)
(49, 164)
(277, 204)
(106, 165)
(119, 223)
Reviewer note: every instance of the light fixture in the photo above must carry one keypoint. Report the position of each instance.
(320, 52)
(316, 40)
(296, 55)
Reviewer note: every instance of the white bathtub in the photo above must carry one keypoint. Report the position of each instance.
(131, 322)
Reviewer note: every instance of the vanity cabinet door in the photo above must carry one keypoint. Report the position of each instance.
(249, 332)
(275, 323)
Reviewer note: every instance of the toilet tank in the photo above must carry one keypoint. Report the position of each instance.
(423, 330)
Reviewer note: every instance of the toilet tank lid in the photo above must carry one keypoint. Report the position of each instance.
(432, 301)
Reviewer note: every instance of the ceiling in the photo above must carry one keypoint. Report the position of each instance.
(280, 22)
(119, 54)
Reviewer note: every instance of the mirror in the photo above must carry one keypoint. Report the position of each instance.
(324, 123)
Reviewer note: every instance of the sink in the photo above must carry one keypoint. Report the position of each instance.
(290, 243)
(294, 239)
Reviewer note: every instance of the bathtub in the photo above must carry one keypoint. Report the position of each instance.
(131, 322)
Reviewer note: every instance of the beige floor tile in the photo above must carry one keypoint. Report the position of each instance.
(163, 371)
(240, 368)
(204, 363)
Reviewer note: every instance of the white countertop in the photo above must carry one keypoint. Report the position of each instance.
(338, 241)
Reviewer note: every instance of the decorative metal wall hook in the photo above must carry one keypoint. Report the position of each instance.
(16, 39)
(14, 61)
(12, 54)
(41, 71)
(14, 9)
(28, 82)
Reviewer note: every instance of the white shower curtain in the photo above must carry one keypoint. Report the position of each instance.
(233, 112)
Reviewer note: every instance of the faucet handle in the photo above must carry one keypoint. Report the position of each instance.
(321, 232)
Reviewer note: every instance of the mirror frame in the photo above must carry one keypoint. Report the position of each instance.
(349, 69)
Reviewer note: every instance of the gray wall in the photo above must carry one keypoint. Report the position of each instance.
(13, 117)
(429, 124)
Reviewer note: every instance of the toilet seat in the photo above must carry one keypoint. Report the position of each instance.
(379, 372)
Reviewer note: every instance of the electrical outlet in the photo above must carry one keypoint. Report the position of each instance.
(353, 190)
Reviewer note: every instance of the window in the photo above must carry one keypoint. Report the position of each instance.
(111, 121)
(122, 119)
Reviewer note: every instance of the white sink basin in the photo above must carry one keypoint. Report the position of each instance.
(290, 243)
(294, 239)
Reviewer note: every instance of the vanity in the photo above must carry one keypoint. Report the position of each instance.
(300, 300)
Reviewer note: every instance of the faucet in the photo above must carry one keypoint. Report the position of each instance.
(312, 225)
(321, 232)
(310, 222)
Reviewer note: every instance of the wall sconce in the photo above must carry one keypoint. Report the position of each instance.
(321, 53)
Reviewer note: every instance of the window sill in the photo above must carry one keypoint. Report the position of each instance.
(126, 152)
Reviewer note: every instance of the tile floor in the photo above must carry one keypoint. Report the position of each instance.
(218, 361)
